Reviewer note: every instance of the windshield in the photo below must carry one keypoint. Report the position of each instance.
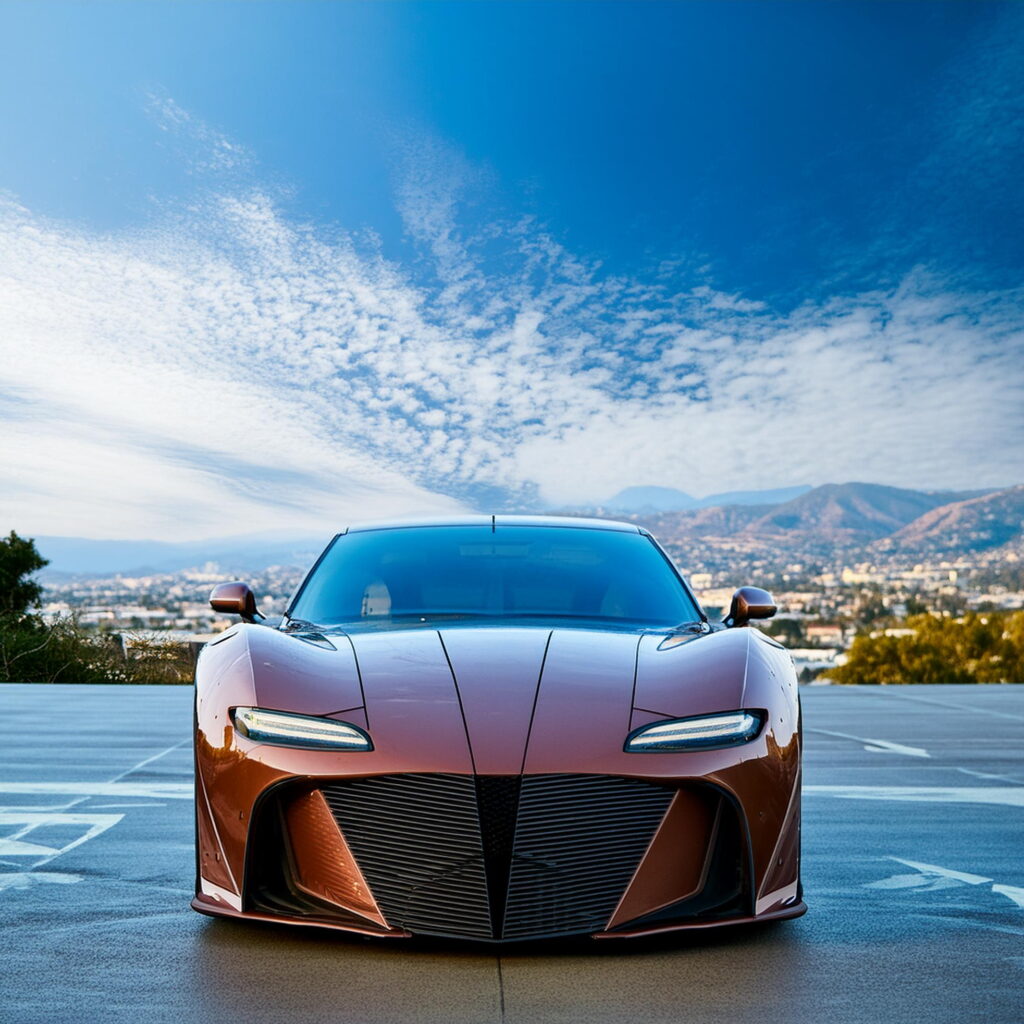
(444, 572)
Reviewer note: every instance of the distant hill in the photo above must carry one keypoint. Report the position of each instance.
(668, 499)
(774, 496)
(817, 522)
(77, 555)
(722, 522)
(853, 513)
(650, 499)
(976, 524)
(845, 516)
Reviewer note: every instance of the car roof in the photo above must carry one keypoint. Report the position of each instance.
(565, 522)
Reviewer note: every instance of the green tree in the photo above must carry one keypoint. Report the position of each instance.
(788, 631)
(979, 648)
(62, 651)
(19, 559)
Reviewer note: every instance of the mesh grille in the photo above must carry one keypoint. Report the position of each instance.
(417, 840)
(579, 839)
(498, 856)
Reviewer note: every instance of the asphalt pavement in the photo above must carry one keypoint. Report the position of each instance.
(913, 873)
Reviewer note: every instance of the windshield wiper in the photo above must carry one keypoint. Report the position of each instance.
(301, 625)
(691, 626)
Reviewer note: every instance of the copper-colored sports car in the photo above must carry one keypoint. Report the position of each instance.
(497, 728)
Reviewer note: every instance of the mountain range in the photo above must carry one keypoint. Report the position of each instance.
(987, 521)
(647, 500)
(878, 519)
(819, 521)
(81, 556)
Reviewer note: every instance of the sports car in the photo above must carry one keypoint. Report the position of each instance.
(497, 728)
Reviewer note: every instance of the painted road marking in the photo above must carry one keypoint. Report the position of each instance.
(23, 879)
(1007, 796)
(989, 775)
(934, 869)
(151, 759)
(157, 790)
(884, 746)
(17, 848)
(14, 844)
(893, 691)
(933, 877)
(877, 746)
(1011, 892)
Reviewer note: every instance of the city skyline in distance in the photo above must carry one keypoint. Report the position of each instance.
(846, 521)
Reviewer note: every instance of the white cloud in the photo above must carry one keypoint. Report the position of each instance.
(232, 371)
(206, 149)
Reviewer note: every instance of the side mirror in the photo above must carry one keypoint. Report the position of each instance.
(235, 599)
(750, 603)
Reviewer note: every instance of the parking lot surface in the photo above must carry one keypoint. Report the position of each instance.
(913, 872)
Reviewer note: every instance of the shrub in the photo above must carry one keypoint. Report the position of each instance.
(32, 651)
(978, 648)
(64, 652)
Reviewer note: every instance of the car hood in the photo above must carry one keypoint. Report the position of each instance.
(500, 700)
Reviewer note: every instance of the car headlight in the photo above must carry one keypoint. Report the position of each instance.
(290, 730)
(698, 733)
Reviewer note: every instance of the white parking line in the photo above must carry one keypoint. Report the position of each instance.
(1006, 796)
(989, 775)
(23, 879)
(884, 746)
(933, 877)
(12, 845)
(897, 692)
(934, 869)
(152, 790)
(151, 759)
(1011, 892)
(15, 844)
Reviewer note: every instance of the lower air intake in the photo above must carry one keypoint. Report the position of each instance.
(416, 839)
(579, 839)
(498, 857)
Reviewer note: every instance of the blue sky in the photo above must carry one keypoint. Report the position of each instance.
(291, 264)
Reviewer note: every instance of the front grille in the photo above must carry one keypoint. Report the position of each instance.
(498, 805)
(579, 839)
(416, 839)
(498, 857)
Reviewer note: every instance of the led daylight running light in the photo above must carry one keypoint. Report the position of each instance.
(289, 730)
(696, 733)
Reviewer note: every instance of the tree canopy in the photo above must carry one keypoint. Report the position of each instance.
(19, 560)
(978, 648)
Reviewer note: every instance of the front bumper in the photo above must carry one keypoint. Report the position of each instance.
(498, 858)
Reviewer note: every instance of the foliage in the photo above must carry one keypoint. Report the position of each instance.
(152, 660)
(787, 631)
(32, 651)
(64, 652)
(19, 559)
(978, 648)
